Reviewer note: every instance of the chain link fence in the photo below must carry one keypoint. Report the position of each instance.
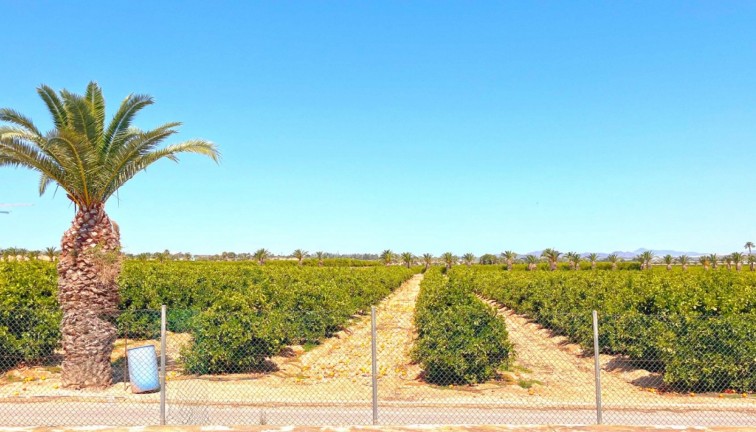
(176, 367)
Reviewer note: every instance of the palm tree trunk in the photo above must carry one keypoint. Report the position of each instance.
(88, 272)
(614, 266)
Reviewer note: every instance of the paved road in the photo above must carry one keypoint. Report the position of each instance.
(119, 413)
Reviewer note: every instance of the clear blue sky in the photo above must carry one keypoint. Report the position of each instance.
(419, 126)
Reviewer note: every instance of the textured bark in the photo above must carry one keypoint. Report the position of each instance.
(88, 294)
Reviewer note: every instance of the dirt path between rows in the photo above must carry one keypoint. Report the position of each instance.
(562, 371)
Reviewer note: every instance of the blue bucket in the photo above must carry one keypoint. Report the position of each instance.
(143, 369)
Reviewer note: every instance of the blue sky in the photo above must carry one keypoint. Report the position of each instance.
(419, 126)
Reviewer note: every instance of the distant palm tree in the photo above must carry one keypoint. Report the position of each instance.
(468, 258)
(448, 259)
(714, 259)
(593, 257)
(648, 256)
(573, 258)
(728, 261)
(552, 256)
(427, 260)
(613, 258)
(737, 259)
(668, 260)
(751, 261)
(407, 258)
(531, 261)
(705, 261)
(261, 255)
(748, 246)
(300, 255)
(641, 260)
(387, 256)
(320, 255)
(684, 260)
(51, 253)
(510, 257)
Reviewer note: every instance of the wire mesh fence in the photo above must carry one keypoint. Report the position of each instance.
(232, 370)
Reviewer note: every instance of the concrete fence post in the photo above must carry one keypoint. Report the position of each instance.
(162, 363)
(597, 366)
(374, 359)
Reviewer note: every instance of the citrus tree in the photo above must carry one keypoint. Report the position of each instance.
(89, 159)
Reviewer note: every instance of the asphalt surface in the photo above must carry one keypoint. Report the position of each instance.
(136, 414)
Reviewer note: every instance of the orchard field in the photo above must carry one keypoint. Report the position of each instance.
(239, 314)
(697, 328)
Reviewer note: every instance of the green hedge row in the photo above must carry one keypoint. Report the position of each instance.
(460, 338)
(29, 315)
(239, 313)
(697, 327)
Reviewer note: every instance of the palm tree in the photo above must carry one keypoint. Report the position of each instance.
(647, 257)
(705, 262)
(320, 255)
(641, 260)
(51, 253)
(449, 259)
(468, 258)
(387, 256)
(552, 256)
(407, 258)
(593, 257)
(728, 261)
(428, 260)
(748, 246)
(90, 160)
(714, 259)
(261, 255)
(510, 257)
(532, 262)
(300, 255)
(737, 259)
(573, 258)
(684, 260)
(668, 260)
(613, 258)
(751, 261)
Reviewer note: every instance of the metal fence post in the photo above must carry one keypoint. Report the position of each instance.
(374, 357)
(162, 363)
(597, 366)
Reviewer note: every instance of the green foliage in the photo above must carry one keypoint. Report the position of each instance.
(460, 338)
(695, 326)
(280, 304)
(29, 315)
(236, 334)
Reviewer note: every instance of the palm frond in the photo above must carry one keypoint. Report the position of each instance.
(121, 121)
(18, 119)
(137, 164)
(96, 103)
(54, 105)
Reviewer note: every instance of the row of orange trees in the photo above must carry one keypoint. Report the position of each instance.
(238, 313)
(697, 327)
(460, 339)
